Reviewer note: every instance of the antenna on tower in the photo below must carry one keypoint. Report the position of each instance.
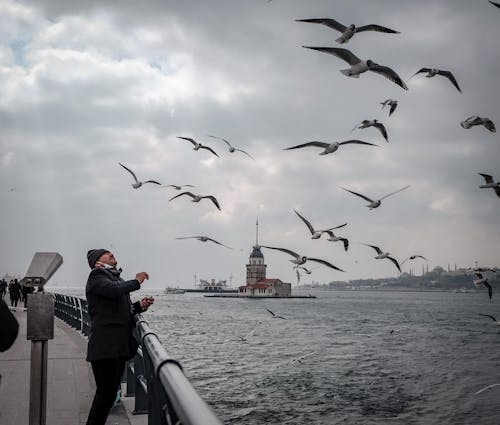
(257, 233)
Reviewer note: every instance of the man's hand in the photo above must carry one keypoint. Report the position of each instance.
(141, 277)
(146, 302)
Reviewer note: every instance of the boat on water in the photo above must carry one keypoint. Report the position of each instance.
(170, 290)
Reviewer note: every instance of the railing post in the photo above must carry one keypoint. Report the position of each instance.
(141, 396)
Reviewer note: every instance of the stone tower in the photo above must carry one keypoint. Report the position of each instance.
(256, 269)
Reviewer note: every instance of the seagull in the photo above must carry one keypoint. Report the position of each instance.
(490, 183)
(276, 316)
(347, 32)
(328, 147)
(232, 149)
(412, 257)
(381, 255)
(298, 275)
(491, 317)
(489, 386)
(482, 280)
(475, 120)
(496, 5)
(359, 66)
(299, 359)
(198, 198)
(204, 239)
(375, 203)
(179, 187)
(301, 259)
(431, 72)
(334, 238)
(137, 183)
(373, 123)
(392, 103)
(197, 145)
(316, 234)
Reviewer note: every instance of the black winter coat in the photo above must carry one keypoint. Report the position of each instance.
(9, 327)
(111, 315)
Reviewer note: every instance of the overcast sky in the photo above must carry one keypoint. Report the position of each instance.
(85, 85)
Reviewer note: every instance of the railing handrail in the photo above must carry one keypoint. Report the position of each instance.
(166, 395)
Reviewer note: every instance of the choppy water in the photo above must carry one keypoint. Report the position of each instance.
(425, 372)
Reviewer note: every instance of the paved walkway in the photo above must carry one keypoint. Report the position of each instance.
(70, 383)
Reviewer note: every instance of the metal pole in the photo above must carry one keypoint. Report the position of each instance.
(38, 383)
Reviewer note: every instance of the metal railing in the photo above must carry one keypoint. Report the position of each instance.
(155, 379)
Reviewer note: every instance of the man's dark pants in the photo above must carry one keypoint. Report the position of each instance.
(108, 375)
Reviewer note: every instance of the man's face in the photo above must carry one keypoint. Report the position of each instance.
(108, 258)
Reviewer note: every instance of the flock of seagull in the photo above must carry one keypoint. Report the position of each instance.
(357, 67)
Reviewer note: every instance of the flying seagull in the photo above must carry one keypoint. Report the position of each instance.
(328, 147)
(375, 203)
(347, 32)
(490, 183)
(198, 198)
(231, 148)
(491, 317)
(316, 234)
(333, 238)
(496, 5)
(301, 259)
(390, 102)
(431, 72)
(197, 145)
(275, 316)
(412, 257)
(137, 183)
(381, 255)
(359, 66)
(483, 280)
(204, 239)
(475, 120)
(179, 187)
(373, 123)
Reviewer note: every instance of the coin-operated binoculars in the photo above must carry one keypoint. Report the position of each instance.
(40, 329)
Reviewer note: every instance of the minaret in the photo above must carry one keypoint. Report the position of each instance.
(256, 269)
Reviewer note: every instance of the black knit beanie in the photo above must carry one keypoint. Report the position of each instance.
(93, 255)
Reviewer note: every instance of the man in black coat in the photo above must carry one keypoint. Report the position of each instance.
(111, 342)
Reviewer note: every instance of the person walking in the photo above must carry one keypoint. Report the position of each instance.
(25, 290)
(111, 341)
(15, 292)
(3, 288)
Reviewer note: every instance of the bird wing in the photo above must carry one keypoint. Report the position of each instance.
(189, 237)
(405, 260)
(497, 5)
(271, 312)
(308, 224)
(359, 194)
(304, 145)
(131, 172)
(346, 243)
(419, 71)
(329, 22)
(450, 77)
(382, 129)
(152, 181)
(181, 194)
(488, 315)
(220, 138)
(393, 108)
(490, 289)
(343, 54)
(218, 243)
(393, 193)
(358, 142)
(374, 27)
(337, 227)
(395, 263)
(376, 248)
(208, 148)
(388, 73)
(288, 251)
(490, 126)
(487, 177)
(326, 263)
(213, 199)
(493, 385)
(188, 139)
(479, 275)
(246, 153)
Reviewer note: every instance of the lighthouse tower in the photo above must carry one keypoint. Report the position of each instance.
(256, 269)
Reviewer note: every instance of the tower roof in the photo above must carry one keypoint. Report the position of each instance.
(256, 252)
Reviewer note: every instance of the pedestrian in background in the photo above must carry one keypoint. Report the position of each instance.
(3, 288)
(14, 292)
(111, 342)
